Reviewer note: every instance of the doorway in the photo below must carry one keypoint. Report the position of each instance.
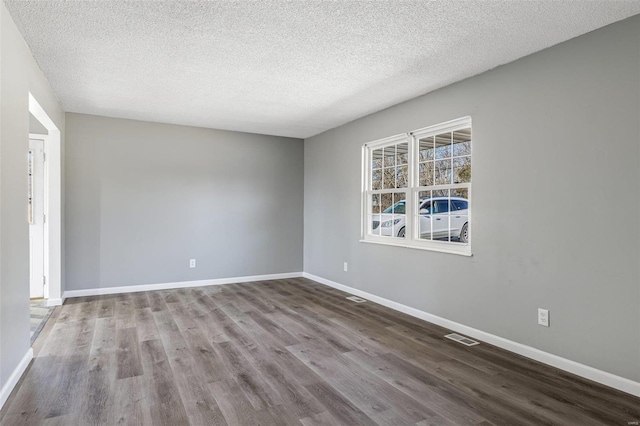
(46, 208)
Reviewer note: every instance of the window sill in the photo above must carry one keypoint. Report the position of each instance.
(461, 250)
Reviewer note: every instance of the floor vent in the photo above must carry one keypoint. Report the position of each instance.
(356, 299)
(461, 339)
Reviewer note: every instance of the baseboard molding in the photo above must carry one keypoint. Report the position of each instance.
(54, 302)
(15, 377)
(608, 379)
(182, 284)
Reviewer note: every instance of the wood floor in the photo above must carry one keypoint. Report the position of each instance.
(39, 313)
(278, 353)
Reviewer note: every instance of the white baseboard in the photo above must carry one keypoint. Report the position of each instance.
(54, 302)
(15, 377)
(181, 284)
(608, 379)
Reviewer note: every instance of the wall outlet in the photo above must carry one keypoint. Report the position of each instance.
(346, 267)
(192, 263)
(543, 317)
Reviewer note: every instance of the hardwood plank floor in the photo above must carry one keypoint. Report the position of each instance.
(283, 352)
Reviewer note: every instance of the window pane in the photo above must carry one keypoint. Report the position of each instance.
(386, 201)
(462, 193)
(400, 201)
(402, 151)
(393, 218)
(443, 172)
(462, 170)
(376, 159)
(390, 156)
(376, 179)
(458, 205)
(389, 178)
(424, 201)
(402, 176)
(386, 217)
(399, 216)
(375, 203)
(424, 215)
(439, 193)
(459, 228)
(398, 207)
(441, 206)
(443, 145)
(424, 227)
(462, 142)
(374, 225)
(425, 171)
(440, 229)
(459, 215)
(426, 149)
(440, 214)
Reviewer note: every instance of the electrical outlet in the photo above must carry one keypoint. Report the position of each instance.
(192, 263)
(543, 317)
(346, 267)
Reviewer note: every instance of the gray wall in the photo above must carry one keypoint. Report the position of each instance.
(19, 75)
(556, 192)
(144, 198)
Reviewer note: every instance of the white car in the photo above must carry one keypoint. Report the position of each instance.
(447, 216)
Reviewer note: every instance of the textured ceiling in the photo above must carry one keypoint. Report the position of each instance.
(291, 68)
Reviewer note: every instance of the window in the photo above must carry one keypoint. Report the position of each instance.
(417, 186)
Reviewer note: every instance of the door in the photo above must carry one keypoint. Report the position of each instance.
(36, 217)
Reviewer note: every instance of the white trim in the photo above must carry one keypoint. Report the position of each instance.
(365, 176)
(53, 201)
(448, 126)
(608, 379)
(55, 302)
(181, 284)
(445, 247)
(15, 377)
(391, 140)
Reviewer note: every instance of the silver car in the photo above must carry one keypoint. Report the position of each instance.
(440, 218)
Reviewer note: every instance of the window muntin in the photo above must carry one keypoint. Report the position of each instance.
(416, 189)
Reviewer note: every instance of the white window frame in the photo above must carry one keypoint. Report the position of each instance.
(411, 239)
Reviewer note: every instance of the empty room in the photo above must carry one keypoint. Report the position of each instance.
(319, 212)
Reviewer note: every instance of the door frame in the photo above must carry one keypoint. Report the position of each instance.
(52, 204)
